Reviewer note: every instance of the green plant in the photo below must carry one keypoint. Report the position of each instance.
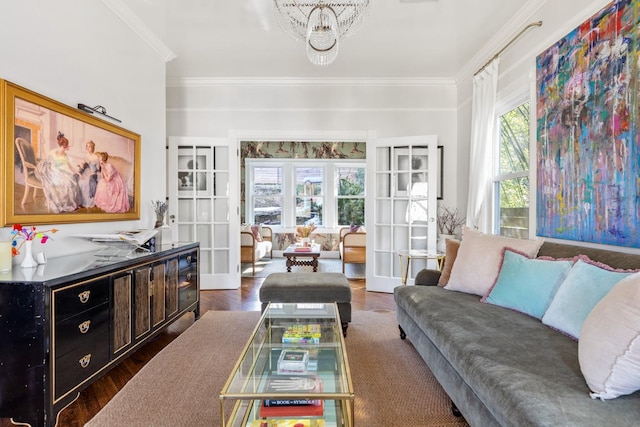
(449, 220)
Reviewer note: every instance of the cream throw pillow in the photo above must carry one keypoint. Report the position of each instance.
(480, 257)
(609, 345)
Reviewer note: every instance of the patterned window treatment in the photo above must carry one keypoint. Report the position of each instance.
(485, 86)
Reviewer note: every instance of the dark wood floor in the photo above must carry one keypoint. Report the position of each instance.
(96, 396)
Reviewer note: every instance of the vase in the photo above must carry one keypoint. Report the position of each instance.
(305, 241)
(28, 261)
(441, 245)
(159, 220)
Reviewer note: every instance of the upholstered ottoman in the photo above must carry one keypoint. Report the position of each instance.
(309, 287)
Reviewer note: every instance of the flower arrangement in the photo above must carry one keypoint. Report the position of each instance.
(449, 220)
(27, 234)
(305, 231)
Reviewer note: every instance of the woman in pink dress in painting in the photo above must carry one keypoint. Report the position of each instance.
(111, 192)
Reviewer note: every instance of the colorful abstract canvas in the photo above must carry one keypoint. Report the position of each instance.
(588, 151)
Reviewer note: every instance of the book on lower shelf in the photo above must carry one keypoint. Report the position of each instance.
(284, 422)
(289, 384)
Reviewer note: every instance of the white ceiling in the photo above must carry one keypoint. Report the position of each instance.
(399, 39)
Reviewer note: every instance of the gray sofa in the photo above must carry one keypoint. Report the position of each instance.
(504, 368)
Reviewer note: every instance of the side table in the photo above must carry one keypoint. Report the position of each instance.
(407, 255)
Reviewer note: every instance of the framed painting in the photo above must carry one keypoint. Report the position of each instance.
(194, 172)
(61, 165)
(588, 131)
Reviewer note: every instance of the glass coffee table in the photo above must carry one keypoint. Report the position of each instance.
(293, 371)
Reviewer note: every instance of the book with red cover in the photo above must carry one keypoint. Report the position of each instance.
(292, 411)
(302, 249)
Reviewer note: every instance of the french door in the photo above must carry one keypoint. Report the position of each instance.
(401, 206)
(202, 185)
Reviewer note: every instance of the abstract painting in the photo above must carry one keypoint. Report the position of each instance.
(588, 151)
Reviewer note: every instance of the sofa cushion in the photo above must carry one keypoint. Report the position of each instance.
(609, 346)
(479, 258)
(450, 254)
(256, 229)
(524, 372)
(585, 285)
(527, 285)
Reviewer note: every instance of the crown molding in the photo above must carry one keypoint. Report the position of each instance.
(509, 30)
(132, 21)
(311, 81)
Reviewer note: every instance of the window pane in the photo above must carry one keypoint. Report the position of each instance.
(267, 195)
(350, 211)
(514, 140)
(514, 207)
(309, 183)
(350, 181)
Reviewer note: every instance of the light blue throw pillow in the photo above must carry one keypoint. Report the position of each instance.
(527, 285)
(585, 285)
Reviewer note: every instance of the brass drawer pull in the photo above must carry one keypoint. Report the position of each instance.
(189, 259)
(84, 362)
(84, 296)
(189, 277)
(84, 326)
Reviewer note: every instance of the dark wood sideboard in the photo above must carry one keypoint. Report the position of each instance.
(66, 323)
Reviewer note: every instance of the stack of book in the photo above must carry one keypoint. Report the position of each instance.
(302, 334)
(299, 407)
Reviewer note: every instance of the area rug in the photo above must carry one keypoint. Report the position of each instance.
(266, 266)
(181, 384)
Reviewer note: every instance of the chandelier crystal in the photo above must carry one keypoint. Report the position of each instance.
(321, 24)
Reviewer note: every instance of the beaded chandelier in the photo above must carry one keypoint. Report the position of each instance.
(321, 24)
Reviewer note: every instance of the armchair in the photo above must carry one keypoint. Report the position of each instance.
(255, 243)
(353, 246)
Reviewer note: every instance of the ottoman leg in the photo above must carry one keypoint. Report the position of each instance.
(345, 325)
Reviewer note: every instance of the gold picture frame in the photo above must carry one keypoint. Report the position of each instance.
(52, 168)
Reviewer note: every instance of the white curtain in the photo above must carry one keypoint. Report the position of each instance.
(485, 86)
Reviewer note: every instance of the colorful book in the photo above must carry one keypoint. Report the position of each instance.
(287, 423)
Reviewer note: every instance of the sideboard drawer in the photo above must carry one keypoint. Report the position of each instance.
(75, 366)
(81, 297)
(77, 330)
(187, 294)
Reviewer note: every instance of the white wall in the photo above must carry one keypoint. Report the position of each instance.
(78, 51)
(407, 107)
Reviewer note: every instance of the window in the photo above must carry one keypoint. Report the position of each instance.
(350, 195)
(266, 195)
(291, 192)
(309, 182)
(511, 184)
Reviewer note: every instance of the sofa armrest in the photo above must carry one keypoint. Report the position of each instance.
(427, 277)
(247, 239)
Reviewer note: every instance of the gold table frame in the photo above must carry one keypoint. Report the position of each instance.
(405, 257)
